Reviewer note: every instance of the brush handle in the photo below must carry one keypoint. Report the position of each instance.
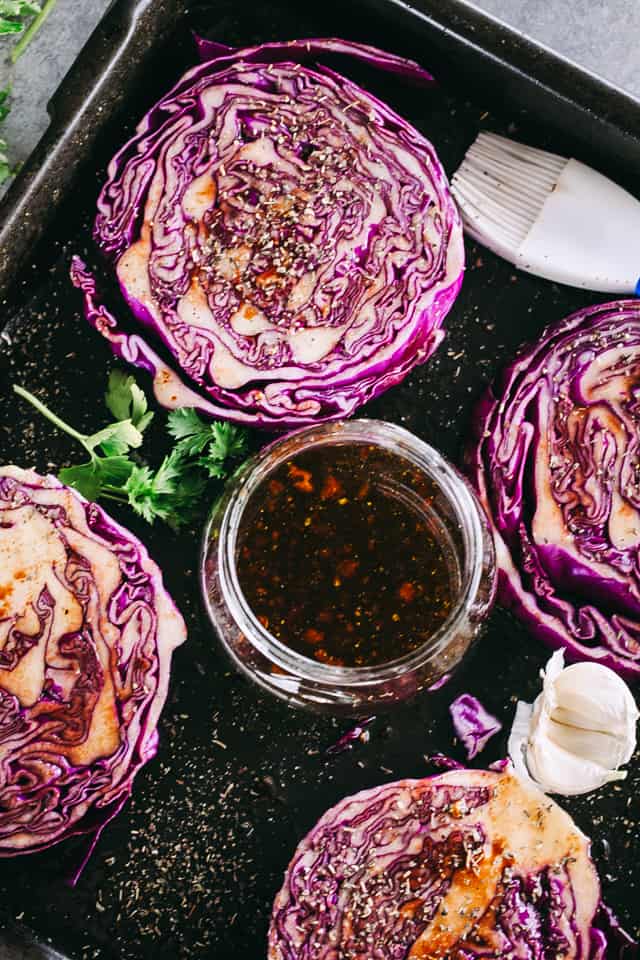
(587, 234)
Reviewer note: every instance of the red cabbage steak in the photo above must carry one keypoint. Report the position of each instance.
(555, 460)
(281, 234)
(462, 865)
(86, 636)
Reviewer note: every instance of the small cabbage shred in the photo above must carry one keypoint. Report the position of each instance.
(465, 864)
(555, 461)
(282, 235)
(86, 636)
(473, 724)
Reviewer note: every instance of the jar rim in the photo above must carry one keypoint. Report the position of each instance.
(387, 436)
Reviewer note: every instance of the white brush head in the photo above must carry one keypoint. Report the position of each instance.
(548, 215)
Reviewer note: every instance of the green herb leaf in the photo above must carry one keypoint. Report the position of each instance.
(171, 494)
(187, 499)
(229, 442)
(99, 477)
(115, 471)
(185, 422)
(139, 490)
(127, 401)
(216, 469)
(114, 448)
(140, 416)
(169, 473)
(192, 433)
(116, 438)
(221, 441)
(85, 478)
(118, 395)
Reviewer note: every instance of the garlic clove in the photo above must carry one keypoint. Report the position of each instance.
(602, 748)
(593, 697)
(558, 771)
(550, 767)
(549, 675)
(579, 730)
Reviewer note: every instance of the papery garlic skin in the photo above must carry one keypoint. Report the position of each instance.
(579, 730)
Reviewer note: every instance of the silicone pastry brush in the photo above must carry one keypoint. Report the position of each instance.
(550, 216)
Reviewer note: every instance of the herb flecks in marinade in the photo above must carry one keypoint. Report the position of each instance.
(337, 566)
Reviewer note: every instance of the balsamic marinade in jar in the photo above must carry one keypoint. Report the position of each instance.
(342, 558)
(347, 566)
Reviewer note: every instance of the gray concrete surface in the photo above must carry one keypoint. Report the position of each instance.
(42, 67)
(601, 35)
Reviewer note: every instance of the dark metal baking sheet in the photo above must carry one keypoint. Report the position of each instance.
(190, 867)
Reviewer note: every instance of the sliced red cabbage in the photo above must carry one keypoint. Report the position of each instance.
(308, 50)
(356, 734)
(462, 865)
(86, 636)
(442, 762)
(288, 238)
(555, 461)
(473, 724)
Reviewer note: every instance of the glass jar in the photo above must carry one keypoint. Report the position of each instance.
(453, 512)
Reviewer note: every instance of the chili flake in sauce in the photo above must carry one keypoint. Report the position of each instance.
(339, 557)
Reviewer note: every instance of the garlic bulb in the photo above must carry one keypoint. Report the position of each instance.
(578, 732)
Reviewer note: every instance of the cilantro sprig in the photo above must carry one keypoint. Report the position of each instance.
(114, 471)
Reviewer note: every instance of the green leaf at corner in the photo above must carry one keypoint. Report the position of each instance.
(14, 12)
(18, 8)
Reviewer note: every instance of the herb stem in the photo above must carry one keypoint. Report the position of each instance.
(112, 496)
(31, 31)
(29, 397)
